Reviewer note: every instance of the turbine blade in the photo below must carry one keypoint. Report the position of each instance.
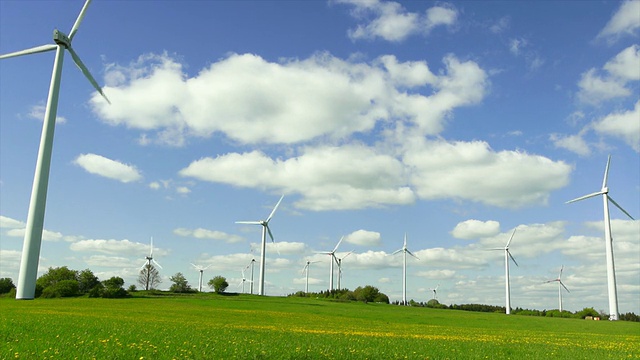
(270, 234)
(400, 250)
(33, 50)
(86, 73)
(511, 238)
(249, 222)
(511, 256)
(155, 262)
(410, 253)
(619, 207)
(585, 197)
(564, 286)
(405, 240)
(606, 173)
(76, 25)
(151, 248)
(349, 253)
(275, 208)
(336, 248)
(560, 275)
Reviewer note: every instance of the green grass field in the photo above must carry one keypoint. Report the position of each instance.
(208, 326)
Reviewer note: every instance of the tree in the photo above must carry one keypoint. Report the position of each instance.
(55, 275)
(113, 288)
(180, 283)
(87, 280)
(6, 284)
(149, 277)
(219, 284)
(62, 288)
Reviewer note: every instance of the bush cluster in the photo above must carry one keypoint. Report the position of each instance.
(365, 294)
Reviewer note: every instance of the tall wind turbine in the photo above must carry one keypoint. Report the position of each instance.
(265, 230)
(405, 251)
(201, 270)
(560, 286)
(306, 271)
(611, 269)
(507, 255)
(332, 255)
(251, 263)
(35, 218)
(339, 260)
(148, 265)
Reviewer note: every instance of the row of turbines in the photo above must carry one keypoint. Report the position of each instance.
(35, 218)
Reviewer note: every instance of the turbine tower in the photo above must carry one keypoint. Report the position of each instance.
(333, 259)
(560, 286)
(35, 217)
(253, 261)
(611, 269)
(306, 271)
(148, 265)
(265, 230)
(339, 261)
(405, 251)
(507, 255)
(201, 270)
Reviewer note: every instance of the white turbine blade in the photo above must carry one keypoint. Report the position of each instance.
(620, 207)
(349, 253)
(410, 253)
(33, 50)
(336, 248)
(606, 173)
(143, 266)
(401, 250)
(405, 241)
(86, 73)
(270, 234)
(549, 281)
(511, 256)
(511, 238)
(249, 222)
(560, 275)
(151, 248)
(563, 286)
(155, 262)
(274, 209)
(76, 25)
(585, 197)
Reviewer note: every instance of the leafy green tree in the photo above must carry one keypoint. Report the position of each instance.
(219, 284)
(113, 288)
(87, 280)
(180, 283)
(62, 288)
(6, 284)
(55, 275)
(149, 277)
(367, 294)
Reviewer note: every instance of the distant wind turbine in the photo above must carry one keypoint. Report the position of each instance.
(244, 279)
(251, 263)
(265, 230)
(611, 269)
(507, 255)
(435, 291)
(149, 259)
(305, 270)
(35, 217)
(405, 251)
(332, 255)
(340, 267)
(201, 270)
(560, 286)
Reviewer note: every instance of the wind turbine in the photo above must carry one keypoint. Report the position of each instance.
(244, 279)
(148, 265)
(507, 255)
(35, 217)
(560, 286)
(339, 260)
(611, 269)
(405, 251)
(306, 271)
(435, 291)
(265, 230)
(253, 261)
(333, 259)
(201, 270)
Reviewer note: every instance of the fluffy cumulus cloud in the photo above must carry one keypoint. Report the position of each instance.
(111, 169)
(390, 21)
(598, 86)
(574, 143)
(474, 229)
(201, 233)
(114, 247)
(624, 22)
(364, 238)
(624, 125)
(254, 101)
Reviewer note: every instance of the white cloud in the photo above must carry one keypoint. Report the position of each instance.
(47, 235)
(110, 261)
(201, 233)
(440, 15)
(437, 274)
(623, 68)
(364, 238)
(100, 165)
(183, 190)
(284, 247)
(516, 45)
(37, 112)
(114, 247)
(623, 125)
(626, 64)
(474, 229)
(9, 223)
(573, 143)
(624, 22)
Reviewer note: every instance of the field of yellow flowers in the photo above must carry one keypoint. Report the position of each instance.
(210, 326)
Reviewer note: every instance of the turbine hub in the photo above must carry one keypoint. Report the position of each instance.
(61, 39)
(605, 190)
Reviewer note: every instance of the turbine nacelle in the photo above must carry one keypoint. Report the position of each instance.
(61, 39)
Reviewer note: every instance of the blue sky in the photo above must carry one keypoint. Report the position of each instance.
(452, 122)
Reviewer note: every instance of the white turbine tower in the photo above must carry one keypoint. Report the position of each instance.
(265, 230)
(149, 259)
(332, 255)
(435, 291)
(611, 269)
(201, 270)
(35, 217)
(560, 286)
(507, 255)
(251, 263)
(339, 260)
(305, 270)
(405, 251)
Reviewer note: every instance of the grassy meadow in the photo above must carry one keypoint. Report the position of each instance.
(208, 326)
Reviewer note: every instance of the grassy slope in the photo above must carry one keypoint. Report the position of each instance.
(209, 326)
